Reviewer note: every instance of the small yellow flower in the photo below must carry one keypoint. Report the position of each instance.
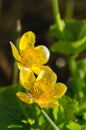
(43, 88)
(28, 55)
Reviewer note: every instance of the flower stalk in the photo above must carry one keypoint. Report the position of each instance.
(15, 68)
(55, 6)
(69, 9)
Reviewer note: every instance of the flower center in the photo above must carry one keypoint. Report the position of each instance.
(41, 89)
(30, 57)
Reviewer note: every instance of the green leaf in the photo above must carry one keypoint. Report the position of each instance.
(73, 30)
(81, 67)
(83, 127)
(69, 106)
(72, 40)
(10, 113)
(77, 28)
(55, 33)
(69, 48)
(78, 70)
(73, 126)
(16, 115)
(81, 109)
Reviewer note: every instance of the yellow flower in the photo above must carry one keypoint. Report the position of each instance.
(28, 55)
(42, 88)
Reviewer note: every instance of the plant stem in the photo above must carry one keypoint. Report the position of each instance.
(49, 120)
(15, 73)
(69, 9)
(76, 78)
(15, 68)
(44, 113)
(55, 6)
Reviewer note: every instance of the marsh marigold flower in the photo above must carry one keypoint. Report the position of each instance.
(28, 55)
(43, 87)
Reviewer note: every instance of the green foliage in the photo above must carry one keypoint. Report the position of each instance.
(70, 43)
(72, 40)
(73, 126)
(15, 115)
(70, 114)
(9, 113)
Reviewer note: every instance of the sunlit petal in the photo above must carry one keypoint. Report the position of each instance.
(15, 52)
(47, 73)
(37, 69)
(47, 103)
(26, 78)
(27, 40)
(24, 97)
(59, 90)
(20, 66)
(44, 54)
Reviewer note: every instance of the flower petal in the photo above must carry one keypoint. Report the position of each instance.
(37, 69)
(47, 103)
(27, 40)
(44, 54)
(15, 52)
(26, 78)
(24, 97)
(48, 74)
(59, 90)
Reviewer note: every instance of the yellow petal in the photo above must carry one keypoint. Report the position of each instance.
(20, 66)
(24, 97)
(47, 103)
(48, 74)
(27, 40)
(37, 69)
(26, 78)
(59, 90)
(44, 54)
(15, 52)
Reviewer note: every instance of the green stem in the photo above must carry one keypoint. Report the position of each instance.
(44, 113)
(15, 73)
(49, 120)
(76, 79)
(69, 9)
(17, 37)
(55, 6)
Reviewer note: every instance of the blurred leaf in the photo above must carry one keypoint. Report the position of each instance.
(69, 48)
(73, 30)
(83, 127)
(55, 33)
(3, 88)
(69, 106)
(10, 115)
(72, 40)
(73, 126)
(81, 109)
(77, 28)
(78, 70)
(81, 67)
(81, 72)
